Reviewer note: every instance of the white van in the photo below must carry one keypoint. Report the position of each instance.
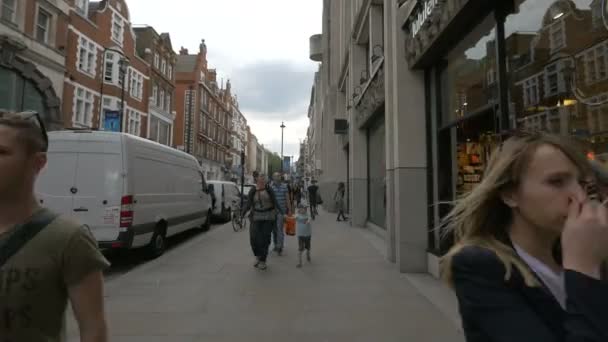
(129, 191)
(225, 196)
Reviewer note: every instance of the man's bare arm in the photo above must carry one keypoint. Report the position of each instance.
(87, 302)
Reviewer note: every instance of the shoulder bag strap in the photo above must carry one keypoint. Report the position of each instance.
(24, 233)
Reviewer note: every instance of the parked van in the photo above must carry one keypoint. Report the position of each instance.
(129, 191)
(225, 197)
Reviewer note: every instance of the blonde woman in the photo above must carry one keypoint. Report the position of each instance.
(529, 244)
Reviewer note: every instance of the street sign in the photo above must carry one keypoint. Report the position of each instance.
(111, 121)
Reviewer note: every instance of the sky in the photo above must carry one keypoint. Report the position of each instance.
(261, 46)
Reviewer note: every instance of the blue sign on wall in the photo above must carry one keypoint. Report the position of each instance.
(112, 121)
(286, 164)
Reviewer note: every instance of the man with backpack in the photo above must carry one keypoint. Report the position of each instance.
(44, 259)
(264, 211)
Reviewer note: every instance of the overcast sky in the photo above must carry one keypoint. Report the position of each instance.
(261, 46)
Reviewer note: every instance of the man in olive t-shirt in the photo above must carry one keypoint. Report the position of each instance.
(34, 282)
(60, 262)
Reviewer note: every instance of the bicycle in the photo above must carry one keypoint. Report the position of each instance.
(239, 222)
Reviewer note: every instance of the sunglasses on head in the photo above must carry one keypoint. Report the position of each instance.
(33, 117)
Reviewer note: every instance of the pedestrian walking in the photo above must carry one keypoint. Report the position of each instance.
(304, 233)
(281, 192)
(264, 211)
(528, 239)
(339, 198)
(45, 259)
(313, 197)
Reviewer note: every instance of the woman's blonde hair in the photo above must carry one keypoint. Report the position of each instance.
(481, 218)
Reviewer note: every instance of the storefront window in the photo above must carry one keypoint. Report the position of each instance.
(557, 53)
(469, 90)
(469, 80)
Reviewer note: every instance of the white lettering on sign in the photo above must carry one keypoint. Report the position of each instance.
(423, 16)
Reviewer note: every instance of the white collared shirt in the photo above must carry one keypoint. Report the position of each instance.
(553, 281)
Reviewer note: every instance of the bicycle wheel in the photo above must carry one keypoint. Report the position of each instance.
(236, 221)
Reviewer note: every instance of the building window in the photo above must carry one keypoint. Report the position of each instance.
(156, 60)
(134, 122)
(83, 107)
(163, 66)
(87, 56)
(167, 102)
(595, 64)
(557, 35)
(9, 10)
(136, 84)
(43, 26)
(82, 6)
(554, 78)
(531, 96)
(118, 29)
(170, 72)
(154, 94)
(161, 103)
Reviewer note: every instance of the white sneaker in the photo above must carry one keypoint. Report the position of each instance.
(262, 265)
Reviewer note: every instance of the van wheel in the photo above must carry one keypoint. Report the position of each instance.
(207, 225)
(158, 243)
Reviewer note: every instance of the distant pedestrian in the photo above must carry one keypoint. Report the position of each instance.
(304, 233)
(264, 211)
(281, 192)
(339, 198)
(46, 260)
(313, 197)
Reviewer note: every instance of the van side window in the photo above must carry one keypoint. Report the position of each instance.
(204, 184)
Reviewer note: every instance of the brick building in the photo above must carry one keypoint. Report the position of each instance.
(102, 62)
(158, 52)
(202, 123)
(32, 57)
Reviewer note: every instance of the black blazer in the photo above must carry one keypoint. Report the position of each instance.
(495, 310)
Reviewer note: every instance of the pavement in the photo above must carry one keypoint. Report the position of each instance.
(207, 289)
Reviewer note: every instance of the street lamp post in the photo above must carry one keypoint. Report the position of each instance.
(282, 129)
(123, 63)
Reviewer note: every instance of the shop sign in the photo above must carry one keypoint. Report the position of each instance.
(422, 17)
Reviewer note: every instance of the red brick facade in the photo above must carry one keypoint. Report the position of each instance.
(89, 35)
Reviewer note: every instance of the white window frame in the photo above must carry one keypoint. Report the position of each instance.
(86, 61)
(170, 72)
(47, 29)
(558, 26)
(154, 94)
(528, 86)
(83, 106)
(561, 83)
(167, 107)
(136, 84)
(592, 61)
(133, 122)
(163, 66)
(162, 99)
(82, 6)
(118, 37)
(112, 58)
(156, 60)
(5, 6)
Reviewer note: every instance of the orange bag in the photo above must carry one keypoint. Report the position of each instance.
(290, 225)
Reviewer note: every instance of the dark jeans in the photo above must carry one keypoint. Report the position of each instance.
(313, 209)
(259, 237)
